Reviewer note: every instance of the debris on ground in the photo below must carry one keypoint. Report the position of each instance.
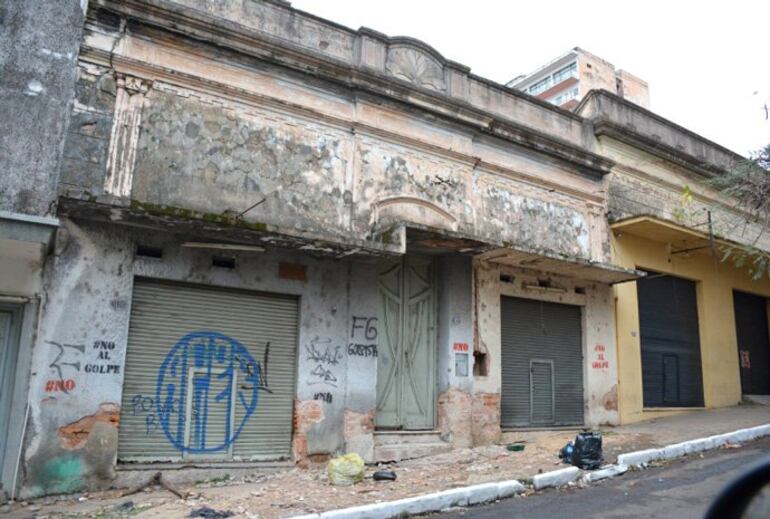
(210, 513)
(346, 470)
(384, 475)
(125, 506)
(566, 452)
(587, 454)
(297, 491)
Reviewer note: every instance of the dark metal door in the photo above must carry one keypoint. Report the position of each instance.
(753, 343)
(668, 326)
(542, 363)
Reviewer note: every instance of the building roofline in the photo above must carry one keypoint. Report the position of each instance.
(522, 78)
(648, 113)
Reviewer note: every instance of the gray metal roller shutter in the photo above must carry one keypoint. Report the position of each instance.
(670, 342)
(216, 400)
(542, 363)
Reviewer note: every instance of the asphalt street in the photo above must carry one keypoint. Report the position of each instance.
(681, 489)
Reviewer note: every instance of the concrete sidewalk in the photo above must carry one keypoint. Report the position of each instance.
(296, 492)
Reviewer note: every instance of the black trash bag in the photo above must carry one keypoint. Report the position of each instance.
(566, 453)
(210, 513)
(588, 451)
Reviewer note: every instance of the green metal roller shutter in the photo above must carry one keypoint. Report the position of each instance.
(542, 363)
(207, 406)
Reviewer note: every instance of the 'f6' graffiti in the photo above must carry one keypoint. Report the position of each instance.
(213, 379)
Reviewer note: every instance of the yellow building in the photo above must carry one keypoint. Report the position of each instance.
(694, 332)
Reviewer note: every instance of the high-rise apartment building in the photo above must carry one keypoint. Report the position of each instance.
(568, 78)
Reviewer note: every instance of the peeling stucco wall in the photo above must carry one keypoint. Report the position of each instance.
(88, 136)
(258, 142)
(271, 168)
(71, 442)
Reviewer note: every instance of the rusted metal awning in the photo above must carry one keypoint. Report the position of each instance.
(562, 266)
(441, 241)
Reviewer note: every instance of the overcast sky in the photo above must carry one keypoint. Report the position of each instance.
(707, 62)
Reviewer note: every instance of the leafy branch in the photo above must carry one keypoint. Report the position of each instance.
(748, 184)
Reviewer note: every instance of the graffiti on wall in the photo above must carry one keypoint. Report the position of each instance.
(363, 331)
(600, 362)
(324, 397)
(221, 379)
(73, 359)
(55, 386)
(102, 364)
(64, 360)
(325, 358)
(146, 405)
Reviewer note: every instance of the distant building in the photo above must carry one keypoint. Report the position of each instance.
(567, 79)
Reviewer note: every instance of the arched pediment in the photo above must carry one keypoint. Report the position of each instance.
(417, 63)
(414, 210)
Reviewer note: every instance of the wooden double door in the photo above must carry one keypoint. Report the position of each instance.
(406, 367)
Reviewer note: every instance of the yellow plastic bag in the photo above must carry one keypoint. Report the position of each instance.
(346, 470)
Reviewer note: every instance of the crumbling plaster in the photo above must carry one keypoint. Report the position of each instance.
(224, 157)
(88, 288)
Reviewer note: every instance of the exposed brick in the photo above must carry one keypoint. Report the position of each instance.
(486, 418)
(454, 417)
(306, 413)
(75, 435)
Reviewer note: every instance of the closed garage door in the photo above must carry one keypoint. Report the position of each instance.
(542, 364)
(668, 327)
(209, 374)
(753, 343)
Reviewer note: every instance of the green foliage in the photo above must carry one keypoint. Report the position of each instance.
(748, 184)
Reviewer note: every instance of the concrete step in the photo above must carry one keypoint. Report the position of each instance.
(402, 437)
(404, 445)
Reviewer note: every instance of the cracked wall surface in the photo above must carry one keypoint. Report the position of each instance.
(270, 147)
(71, 442)
(38, 56)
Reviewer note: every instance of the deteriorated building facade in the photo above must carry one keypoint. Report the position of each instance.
(278, 239)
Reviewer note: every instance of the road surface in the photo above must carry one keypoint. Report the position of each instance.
(681, 489)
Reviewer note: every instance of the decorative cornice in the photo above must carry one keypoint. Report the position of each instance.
(410, 78)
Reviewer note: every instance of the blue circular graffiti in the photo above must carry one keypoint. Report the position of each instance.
(212, 378)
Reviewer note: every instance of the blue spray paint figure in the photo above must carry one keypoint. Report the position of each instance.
(225, 380)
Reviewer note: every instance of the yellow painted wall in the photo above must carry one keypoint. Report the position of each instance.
(719, 352)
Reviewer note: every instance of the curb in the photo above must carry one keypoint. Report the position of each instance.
(465, 496)
(555, 478)
(488, 492)
(641, 458)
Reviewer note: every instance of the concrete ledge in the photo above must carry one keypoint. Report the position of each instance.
(555, 478)
(435, 502)
(608, 472)
(639, 457)
(677, 450)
